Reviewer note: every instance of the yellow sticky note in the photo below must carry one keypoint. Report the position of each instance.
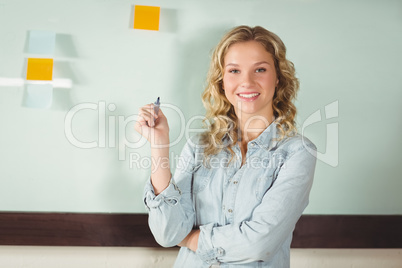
(40, 69)
(146, 17)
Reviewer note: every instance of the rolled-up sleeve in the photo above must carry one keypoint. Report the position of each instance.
(272, 221)
(171, 213)
(170, 196)
(206, 250)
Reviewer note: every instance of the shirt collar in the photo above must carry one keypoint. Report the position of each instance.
(268, 138)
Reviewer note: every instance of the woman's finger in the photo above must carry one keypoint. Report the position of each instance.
(149, 108)
(147, 115)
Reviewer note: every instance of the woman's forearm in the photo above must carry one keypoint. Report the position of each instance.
(160, 170)
(191, 240)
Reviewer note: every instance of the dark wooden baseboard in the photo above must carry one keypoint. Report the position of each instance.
(348, 231)
(131, 230)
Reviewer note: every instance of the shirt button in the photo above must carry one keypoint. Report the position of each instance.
(230, 211)
(220, 251)
(235, 182)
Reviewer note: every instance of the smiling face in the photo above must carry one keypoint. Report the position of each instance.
(249, 79)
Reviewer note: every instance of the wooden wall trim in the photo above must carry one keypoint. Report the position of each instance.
(71, 229)
(348, 231)
(131, 230)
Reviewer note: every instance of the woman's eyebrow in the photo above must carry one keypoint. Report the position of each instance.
(257, 63)
(262, 62)
(231, 64)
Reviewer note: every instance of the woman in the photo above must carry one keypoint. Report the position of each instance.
(241, 186)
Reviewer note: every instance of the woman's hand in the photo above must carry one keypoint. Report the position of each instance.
(154, 127)
(191, 240)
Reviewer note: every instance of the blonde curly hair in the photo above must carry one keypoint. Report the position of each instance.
(220, 118)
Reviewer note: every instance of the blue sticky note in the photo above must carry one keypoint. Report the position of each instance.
(41, 42)
(39, 96)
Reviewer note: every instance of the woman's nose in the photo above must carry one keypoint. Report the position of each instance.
(248, 80)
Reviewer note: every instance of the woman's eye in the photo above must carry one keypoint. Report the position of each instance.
(260, 70)
(234, 71)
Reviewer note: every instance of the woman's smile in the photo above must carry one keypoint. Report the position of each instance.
(249, 96)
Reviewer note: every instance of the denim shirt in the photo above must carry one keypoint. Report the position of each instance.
(246, 213)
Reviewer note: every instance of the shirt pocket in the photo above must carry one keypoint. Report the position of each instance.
(201, 178)
(263, 184)
(271, 168)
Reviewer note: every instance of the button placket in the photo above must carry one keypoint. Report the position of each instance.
(230, 196)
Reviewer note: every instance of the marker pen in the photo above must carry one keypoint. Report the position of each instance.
(157, 104)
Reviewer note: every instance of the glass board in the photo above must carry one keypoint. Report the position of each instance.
(67, 138)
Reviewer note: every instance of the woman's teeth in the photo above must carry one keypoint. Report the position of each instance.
(249, 95)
